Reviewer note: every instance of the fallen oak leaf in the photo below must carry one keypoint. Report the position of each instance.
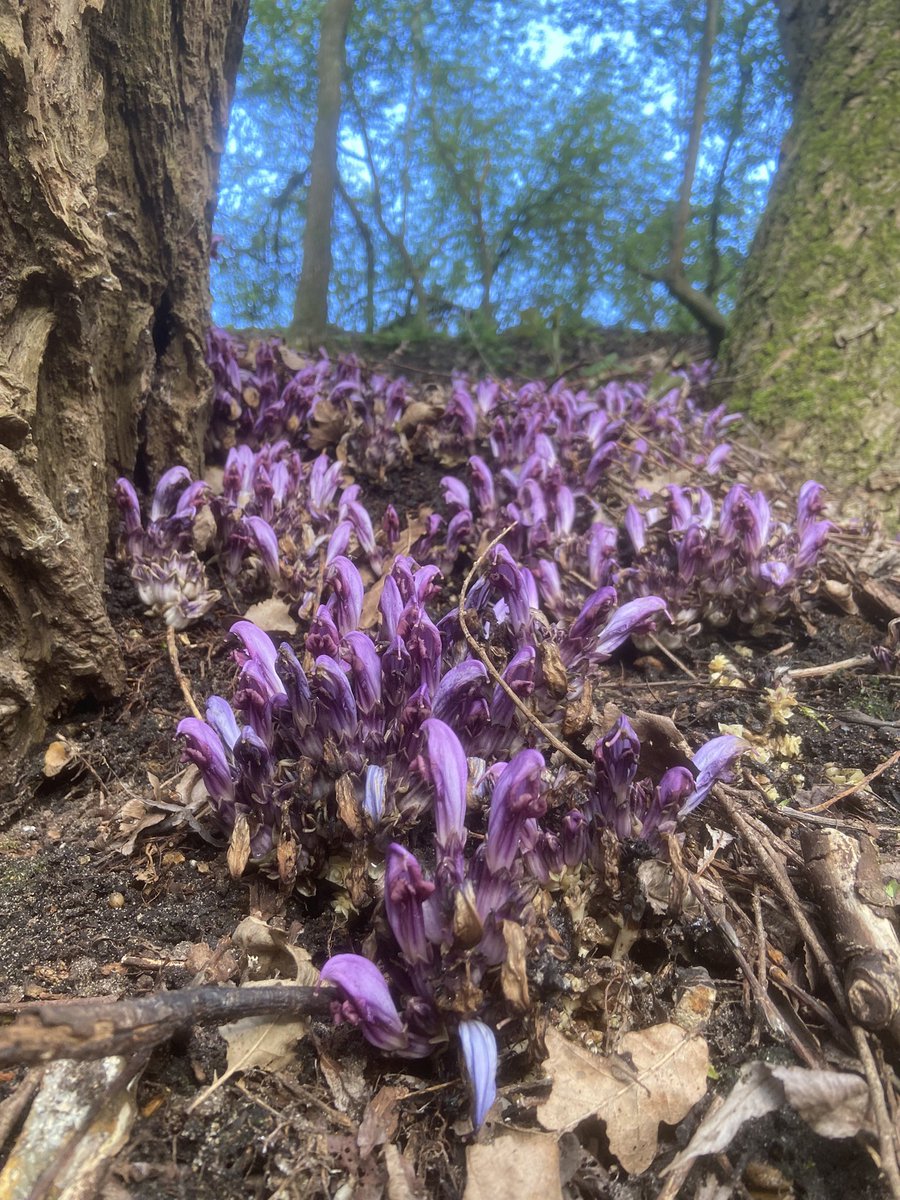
(657, 1075)
(515, 1165)
(833, 1103)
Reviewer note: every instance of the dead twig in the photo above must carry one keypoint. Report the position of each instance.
(772, 1016)
(856, 787)
(755, 838)
(523, 708)
(673, 658)
(820, 672)
(887, 1144)
(91, 1029)
(179, 674)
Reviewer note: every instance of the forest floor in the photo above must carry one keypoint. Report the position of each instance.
(111, 887)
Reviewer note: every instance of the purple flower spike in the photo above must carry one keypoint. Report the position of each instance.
(129, 507)
(258, 648)
(266, 542)
(405, 891)
(365, 669)
(714, 763)
(636, 528)
(479, 1048)
(390, 524)
(323, 636)
(637, 616)
(220, 715)
(443, 763)
(810, 502)
(337, 712)
(595, 611)
(347, 589)
(367, 1001)
(456, 494)
(204, 747)
(517, 796)
(616, 759)
(373, 794)
(169, 488)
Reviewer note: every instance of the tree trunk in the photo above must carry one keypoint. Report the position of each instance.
(111, 129)
(311, 306)
(815, 342)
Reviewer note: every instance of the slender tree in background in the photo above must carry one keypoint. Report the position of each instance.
(311, 306)
(112, 126)
(815, 342)
(698, 303)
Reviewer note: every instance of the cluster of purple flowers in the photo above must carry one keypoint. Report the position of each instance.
(448, 931)
(714, 565)
(355, 707)
(170, 578)
(276, 515)
(397, 740)
(382, 723)
(313, 403)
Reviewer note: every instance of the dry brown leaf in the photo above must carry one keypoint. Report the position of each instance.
(402, 1182)
(513, 972)
(834, 1103)
(291, 359)
(658, 1074)
(380, 1120)
(272, 615)
(347, 807)
(238, 847)
(269, 1043)
(57, 757)
(418, 412)
(516, 1166)
(270, 956)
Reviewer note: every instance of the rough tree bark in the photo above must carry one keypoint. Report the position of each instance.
(814, 347)
(111, 128)
(311, 305)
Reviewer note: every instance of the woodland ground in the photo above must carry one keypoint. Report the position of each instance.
(89, 909)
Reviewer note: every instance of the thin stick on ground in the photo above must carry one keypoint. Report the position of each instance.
(887, 1144)
(492, 670)
(179, 674)
(826, 669)
(754, 839)
(773, 1018)
(673, 658)
(856, 787)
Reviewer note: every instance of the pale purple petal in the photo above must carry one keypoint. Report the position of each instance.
(479, 1048)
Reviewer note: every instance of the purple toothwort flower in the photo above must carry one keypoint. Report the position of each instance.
(367, 1001)
(635, 617)
(479, 1049)
(443, 763)
(259, 649)
(516, 798)
(204, 748)
(714, 762)
(405, 891)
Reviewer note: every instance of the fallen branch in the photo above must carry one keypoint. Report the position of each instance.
(847, 880)
(775, 870)
(86, 1029)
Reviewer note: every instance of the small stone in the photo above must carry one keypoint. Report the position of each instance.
(115, 900)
